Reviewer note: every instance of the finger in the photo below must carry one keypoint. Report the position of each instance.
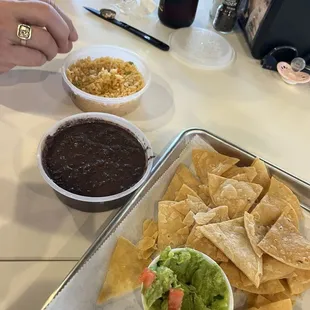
(40, 40)
(70, 45)
(24, 56)
(73, 36)
(43, 15)
(6, 67)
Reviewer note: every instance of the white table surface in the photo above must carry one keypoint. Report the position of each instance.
(244, 104)
(27, 285)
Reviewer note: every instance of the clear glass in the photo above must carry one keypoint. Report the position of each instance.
(127, 6)
(137, 8)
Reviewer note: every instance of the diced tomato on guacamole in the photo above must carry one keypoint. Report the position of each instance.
(175, 299)
(147, 277)
(184, 280)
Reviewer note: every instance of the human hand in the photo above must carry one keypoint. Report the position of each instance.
(52, 33)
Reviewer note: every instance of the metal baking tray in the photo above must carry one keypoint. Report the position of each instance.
(168, 156)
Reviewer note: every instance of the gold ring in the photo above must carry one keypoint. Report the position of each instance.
(24, 33)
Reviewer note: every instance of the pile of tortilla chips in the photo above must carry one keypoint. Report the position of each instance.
(242, 218)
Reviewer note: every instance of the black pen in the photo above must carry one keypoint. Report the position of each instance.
(109, 15)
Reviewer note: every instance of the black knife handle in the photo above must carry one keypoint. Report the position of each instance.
(144, 36)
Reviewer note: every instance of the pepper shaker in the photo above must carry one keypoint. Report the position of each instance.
(226, 16)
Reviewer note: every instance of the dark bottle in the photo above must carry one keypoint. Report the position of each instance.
(226, 16)
(177, 13)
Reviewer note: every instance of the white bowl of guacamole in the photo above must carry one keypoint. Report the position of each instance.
(197, 281)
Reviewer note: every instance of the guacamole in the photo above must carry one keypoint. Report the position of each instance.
(202, 283)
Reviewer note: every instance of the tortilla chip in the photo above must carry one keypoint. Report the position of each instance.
(270, 287)
(180, 206)
(146, 224)
(285, 243)
(123, 272)
(196, 154)
(203, 218)
(274, 269)
(299, 282)
(170, 221)
(267, 214)
(184, 232)
(278, 305)
(170, 203)
(189, 219)
(203, 193)
(150, 227)
(148, 244)
(279, 296)
(196, 205)
(216, 215)
(278, 197)
(282, 295)
(184, 192)
(231, 238)
(221, 214)
(237, 195)
(255, 232)
(251, 299)
(235, 276)
(245, 174)
(261, 301)
(279, 189)
(206, 199)
(147, 253)
(262, 178)
(206, 162)
(182, 176)
(196, 240)
(145, 244)
(239, 280)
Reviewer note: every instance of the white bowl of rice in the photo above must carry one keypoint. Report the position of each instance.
(104, 78)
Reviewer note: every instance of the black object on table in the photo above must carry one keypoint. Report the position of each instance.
(286, 54)
(109, 15)
(285, 22)
(226, 16)
(177, 13)
(281, 53)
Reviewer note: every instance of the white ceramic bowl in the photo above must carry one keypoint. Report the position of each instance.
(91, 103)
(96, 204)
(209, 260)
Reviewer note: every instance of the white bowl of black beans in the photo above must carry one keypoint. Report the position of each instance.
(94, 161)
